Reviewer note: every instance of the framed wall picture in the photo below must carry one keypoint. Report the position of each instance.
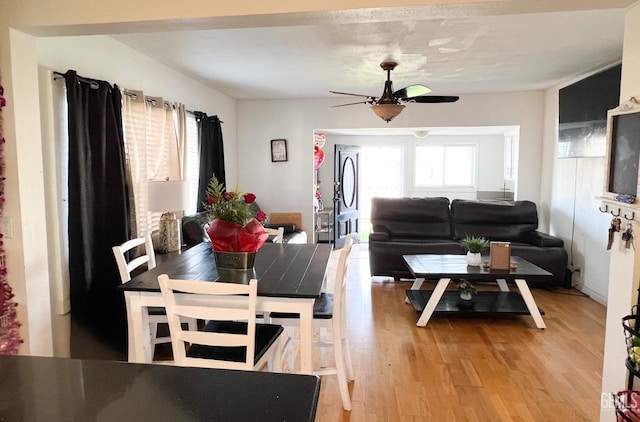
(278, 150)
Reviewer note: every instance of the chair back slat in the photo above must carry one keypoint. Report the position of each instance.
(213, 339)
(209, 287)
(278, 233)
(209, 313)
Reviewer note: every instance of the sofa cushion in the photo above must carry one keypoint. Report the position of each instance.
(494, 220)
(423, 218)
(193, 228)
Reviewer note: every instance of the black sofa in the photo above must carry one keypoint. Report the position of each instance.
(405, 226)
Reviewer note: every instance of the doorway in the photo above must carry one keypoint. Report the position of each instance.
(382, 170)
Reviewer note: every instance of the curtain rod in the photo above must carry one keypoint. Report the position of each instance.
(150, 100)
(92, 82)
(202, 112)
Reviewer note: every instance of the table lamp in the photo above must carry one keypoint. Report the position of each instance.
(169, 197)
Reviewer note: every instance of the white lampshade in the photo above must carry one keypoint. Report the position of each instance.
(170, 195)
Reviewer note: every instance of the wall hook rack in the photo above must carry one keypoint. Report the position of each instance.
(633, 216)
(618, 214)
(605, 210)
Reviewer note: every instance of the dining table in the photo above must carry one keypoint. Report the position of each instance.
(290, 279)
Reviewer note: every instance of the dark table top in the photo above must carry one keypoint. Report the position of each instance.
(55, 389)
(455, 266)
(282, 270)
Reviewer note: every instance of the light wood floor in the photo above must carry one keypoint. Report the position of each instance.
(461, 369)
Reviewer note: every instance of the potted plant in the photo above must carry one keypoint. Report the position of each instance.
(474, 246)
(235, 233)
(466, 289)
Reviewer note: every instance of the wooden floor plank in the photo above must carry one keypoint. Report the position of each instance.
(466, 369)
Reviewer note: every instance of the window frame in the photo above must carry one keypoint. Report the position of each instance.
(445, 187)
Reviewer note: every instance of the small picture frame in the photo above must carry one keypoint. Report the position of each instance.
(278, 150)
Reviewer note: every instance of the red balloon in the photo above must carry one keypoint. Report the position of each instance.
(318, 158)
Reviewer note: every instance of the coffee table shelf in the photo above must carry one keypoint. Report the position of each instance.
(483, 303)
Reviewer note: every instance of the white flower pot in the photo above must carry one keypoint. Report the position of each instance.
(474, 259)
(466, 295)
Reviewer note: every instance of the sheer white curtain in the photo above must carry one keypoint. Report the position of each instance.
(187, 135)
(55, 157)
(152, 150)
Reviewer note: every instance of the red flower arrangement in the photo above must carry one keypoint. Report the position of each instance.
(233, 227)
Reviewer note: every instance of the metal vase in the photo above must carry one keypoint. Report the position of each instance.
(235, 267)
(235, 260)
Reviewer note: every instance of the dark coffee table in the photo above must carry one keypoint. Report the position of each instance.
(448, 267)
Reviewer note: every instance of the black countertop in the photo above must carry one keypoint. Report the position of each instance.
(56, 389)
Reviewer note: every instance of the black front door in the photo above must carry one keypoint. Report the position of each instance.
(345, 192)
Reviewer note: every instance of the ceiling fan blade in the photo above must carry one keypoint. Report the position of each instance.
(433, 99)
(348, 104)
(412, 91)
(348, 93)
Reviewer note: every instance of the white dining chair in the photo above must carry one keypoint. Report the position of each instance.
(329, 315)
(231, 339)
(127, 266)
(278, 233)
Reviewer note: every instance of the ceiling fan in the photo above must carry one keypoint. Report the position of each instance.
(391, 103)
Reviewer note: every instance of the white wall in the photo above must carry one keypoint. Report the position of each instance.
(290, 186)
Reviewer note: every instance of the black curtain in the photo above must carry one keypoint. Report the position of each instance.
(98, 209)
(211, 152)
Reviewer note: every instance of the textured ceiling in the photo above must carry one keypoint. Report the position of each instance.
(453, 56)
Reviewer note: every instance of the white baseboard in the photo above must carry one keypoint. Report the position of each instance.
(592, 294)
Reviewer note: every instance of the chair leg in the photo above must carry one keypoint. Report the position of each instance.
(275, 358)
(153, 327)
(289, 347)
(323, 350)
(347, 359)
(342, 375)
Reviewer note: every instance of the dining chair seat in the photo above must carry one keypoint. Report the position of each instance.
(266, 335)
(322, 309)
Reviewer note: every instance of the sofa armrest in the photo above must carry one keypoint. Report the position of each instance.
(542, 240)
(378, 236)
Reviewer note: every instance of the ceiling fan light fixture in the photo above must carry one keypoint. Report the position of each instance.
(387, 112)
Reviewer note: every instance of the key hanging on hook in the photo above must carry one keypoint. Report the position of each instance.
(615, 227)
(627, 236)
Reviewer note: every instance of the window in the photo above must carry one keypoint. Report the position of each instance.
(445, 165)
